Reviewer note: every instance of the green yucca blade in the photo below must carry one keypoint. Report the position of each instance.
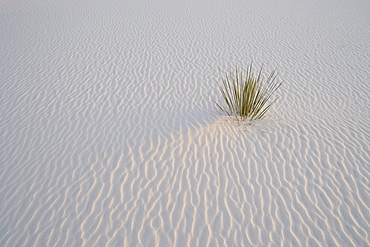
(263, 112)
(222, 108)
(226, 93)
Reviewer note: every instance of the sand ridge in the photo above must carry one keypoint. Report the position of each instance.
(110, 137)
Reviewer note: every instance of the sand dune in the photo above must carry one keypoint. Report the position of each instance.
(110, 136)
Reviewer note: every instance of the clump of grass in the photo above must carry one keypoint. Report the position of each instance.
(247, 97)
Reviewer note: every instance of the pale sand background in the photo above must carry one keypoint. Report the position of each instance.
(109, 136)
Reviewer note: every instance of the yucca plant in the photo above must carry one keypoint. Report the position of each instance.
(247, 97)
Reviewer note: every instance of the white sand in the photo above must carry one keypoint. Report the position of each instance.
(110, 137)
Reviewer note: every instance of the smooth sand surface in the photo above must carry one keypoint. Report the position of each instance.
(110, 136)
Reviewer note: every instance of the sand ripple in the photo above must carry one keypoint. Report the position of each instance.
(109, 135)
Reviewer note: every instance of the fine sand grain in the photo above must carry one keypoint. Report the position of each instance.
(110, 136)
